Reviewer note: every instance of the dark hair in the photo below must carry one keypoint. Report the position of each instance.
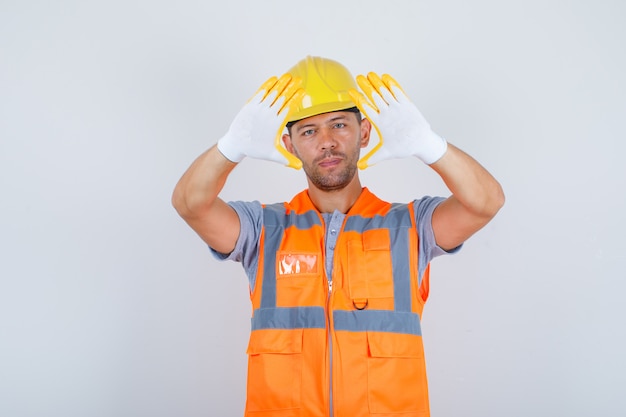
(354, 110)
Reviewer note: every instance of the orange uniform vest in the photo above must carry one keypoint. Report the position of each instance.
(352, 348)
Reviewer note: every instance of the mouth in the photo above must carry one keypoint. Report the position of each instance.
(330, 162)
(330, 159)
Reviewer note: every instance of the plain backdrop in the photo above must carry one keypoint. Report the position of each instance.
(111, 306)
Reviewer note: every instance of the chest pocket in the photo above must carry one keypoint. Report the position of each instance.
(369, 266)
(290, 263)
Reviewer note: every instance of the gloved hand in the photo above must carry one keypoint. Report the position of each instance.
(257, 129)
(402, 129)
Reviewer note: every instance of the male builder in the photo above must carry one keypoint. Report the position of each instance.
(338, 278)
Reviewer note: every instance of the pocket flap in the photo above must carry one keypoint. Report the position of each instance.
(275, 341)
(394, 345)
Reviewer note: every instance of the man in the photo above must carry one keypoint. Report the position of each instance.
(338, 278)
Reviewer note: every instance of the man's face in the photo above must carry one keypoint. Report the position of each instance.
(329, 147)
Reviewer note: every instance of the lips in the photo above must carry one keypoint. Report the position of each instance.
(329, 162)
(330, 159)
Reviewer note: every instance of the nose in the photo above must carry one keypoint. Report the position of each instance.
(327, 139)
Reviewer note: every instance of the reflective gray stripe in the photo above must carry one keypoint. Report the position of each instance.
(398, 216)
(275, 215)
(275, 221)
(398, 222)
(289, 318)
(272, 239)
(400, 268)
(377, 321)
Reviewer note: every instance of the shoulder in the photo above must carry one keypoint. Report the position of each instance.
(247, 208)
(424, 207)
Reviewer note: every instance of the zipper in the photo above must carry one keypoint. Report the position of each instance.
(334, 231)
(330, 349)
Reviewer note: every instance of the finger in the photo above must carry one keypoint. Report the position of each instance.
(291, 104)
(262, 92)
(395, 88)
(381, 88)
(291, 95)
(279, 87)
(371, 86)
(291, 160)
(362, 103)
(368, 89)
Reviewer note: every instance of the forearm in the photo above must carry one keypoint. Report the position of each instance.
(198, 188)
(471, 184)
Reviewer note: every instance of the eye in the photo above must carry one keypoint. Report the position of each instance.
(339, 125)
(308, 132)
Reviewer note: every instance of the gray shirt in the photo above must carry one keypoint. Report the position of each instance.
(251, 218)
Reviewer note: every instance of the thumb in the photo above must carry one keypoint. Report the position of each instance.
(377, 154)
(278, 155)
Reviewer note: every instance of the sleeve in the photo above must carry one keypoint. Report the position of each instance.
(428, 248)
(247, 248)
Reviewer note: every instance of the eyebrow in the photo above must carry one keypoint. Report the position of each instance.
(309, 125)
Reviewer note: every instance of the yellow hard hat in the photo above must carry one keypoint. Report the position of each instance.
(326, 84)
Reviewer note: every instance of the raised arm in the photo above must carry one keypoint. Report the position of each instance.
(195, 198)
(476, 195)
(254, 132)
(476, 198)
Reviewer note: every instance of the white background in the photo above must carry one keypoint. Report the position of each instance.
(111, 306)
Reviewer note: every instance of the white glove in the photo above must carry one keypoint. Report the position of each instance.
(257, 129)
(402, 129)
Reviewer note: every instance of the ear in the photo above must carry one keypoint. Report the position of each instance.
(366, 129)
(288, 144)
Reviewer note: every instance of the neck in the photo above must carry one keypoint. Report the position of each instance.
(341, 200)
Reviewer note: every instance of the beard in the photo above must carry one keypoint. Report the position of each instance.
(336, 179)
